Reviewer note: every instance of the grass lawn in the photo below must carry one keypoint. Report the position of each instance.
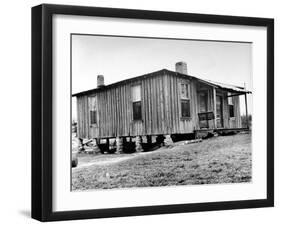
(223, 159)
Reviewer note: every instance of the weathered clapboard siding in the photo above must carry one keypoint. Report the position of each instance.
(160, 106)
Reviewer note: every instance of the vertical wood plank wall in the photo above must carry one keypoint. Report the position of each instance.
(161, 109)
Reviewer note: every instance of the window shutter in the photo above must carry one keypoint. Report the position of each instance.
(136, 93)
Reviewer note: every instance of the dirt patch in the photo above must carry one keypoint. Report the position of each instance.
(86, 160)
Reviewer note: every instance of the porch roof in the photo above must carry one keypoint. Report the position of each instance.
(228, 87)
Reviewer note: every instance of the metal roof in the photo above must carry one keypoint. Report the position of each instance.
(230, 88)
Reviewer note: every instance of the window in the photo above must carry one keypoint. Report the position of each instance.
(230, 106)
(185, 108)
(136, 99)
(185, 100)
(137, 110)
(93, 117)
(93, 110)
(231, 111)
(184, 91)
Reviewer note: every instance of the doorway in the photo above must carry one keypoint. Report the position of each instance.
(203, 108)
(219, 111)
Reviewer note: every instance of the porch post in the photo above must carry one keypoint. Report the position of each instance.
(246, 105)
(215, 108)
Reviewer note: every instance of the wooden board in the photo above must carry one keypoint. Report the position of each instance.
(161, 108)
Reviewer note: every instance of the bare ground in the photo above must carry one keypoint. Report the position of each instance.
(224, 159)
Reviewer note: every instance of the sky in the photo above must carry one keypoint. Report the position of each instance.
(119, 58)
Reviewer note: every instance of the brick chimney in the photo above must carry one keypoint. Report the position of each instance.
(181, 67)
(100, 81)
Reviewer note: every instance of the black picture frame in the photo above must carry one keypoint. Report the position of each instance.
(42, 111)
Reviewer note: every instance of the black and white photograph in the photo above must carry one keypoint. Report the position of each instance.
(154, 112)
(143, 112)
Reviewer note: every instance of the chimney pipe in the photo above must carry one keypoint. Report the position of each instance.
(100, 81)
(181, 67)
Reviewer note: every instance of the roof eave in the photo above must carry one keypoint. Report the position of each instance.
(165, 71)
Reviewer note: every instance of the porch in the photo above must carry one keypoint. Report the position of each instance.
(219, 107)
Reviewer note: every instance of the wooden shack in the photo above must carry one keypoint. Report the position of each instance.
(164, 102)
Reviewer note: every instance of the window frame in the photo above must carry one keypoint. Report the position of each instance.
(139, 113)
(95, 118)
(136, 102)
(93, 109)
(231, 103)
(184, 99)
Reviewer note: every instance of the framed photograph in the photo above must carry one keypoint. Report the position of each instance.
(145, 112)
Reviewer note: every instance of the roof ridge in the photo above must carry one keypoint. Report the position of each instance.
(220, 84)
(115, 83)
